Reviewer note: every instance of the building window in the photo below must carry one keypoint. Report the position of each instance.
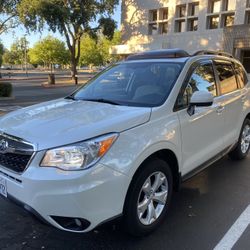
(152, 29)
(181, 10)
(163, 14)
(158, 21)
(229, 5)
(246, 60)
(247, 17)
(248, 4)
(163, 28)
(214, 6)
(153, 15)
(193, 9)
(227, 20)
(213, 22)
(180, 26)
(193, 24)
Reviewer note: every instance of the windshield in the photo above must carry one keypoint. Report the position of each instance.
(145, 84)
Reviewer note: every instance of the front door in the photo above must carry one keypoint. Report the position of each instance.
(202, 133)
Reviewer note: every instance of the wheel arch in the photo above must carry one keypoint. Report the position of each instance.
(168, 156)
(248, 116)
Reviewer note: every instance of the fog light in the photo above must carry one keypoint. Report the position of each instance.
(73, 224)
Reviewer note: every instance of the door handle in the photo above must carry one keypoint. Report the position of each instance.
(220, 109)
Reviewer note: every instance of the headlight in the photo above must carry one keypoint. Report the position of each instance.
(80, 155)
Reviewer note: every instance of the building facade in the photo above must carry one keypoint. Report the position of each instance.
(187, 24)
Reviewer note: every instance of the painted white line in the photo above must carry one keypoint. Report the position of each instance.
(235, 232)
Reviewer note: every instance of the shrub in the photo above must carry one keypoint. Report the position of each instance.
(5, 89)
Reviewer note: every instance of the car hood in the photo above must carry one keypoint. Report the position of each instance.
(64, 121)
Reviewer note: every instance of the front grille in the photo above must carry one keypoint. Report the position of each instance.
(14, 162)
(17, 155)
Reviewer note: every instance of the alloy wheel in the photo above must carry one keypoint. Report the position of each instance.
(245, 139)
(152, 198)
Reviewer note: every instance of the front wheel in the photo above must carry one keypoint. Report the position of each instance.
(242, 148)
(148, 198)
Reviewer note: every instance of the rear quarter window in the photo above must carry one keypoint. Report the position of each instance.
(228, 82)
(241, 75)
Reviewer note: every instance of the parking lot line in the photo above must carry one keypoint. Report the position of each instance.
(235, 232)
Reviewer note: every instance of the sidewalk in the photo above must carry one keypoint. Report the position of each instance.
(7, 109)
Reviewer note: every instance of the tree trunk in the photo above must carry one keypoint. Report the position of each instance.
(73, 44)
(74, 70)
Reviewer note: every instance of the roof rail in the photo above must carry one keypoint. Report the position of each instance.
(213, 52)
(159, 54)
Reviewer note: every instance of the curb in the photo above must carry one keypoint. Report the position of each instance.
(7, 98)
(45, 85)
(39, 78)
(21, 79)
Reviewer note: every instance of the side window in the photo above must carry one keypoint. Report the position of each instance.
(241, 75)
(201, 79)
(227, 78)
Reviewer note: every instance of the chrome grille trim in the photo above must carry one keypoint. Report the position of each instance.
(19, 140)
(12, 158)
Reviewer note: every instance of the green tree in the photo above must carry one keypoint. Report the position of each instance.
(95, 51)
(70, 17)
(8, 57)
(18, 53)
(104, 46)
(48, 52)
(90, 53)
(1, 53)
(8, 15)
(2, 49)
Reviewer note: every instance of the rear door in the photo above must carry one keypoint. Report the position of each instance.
(202, 133)
(231, 96)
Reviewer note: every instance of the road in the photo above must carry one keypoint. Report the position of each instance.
(201, 214)
(32, 92)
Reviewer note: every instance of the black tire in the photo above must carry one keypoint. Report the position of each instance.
(131, 220)
(237, 153)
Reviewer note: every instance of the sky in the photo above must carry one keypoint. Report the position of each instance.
(8, 38)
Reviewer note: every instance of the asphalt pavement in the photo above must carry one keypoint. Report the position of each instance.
(206, 213)
(200, 215)
(32, 93)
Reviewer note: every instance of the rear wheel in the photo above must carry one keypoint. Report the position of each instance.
(148, 198)
(243, 145)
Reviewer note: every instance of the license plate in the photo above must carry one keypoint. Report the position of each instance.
(3, 187)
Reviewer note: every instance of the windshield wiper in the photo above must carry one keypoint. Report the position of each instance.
(102, 100)
(70, 97)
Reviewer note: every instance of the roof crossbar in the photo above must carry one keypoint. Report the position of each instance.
(159, 54)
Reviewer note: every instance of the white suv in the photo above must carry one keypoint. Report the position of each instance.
(123, 142)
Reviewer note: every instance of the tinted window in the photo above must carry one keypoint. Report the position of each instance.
(241, 75)
(201, 79)
(136, 84)
(227, 78)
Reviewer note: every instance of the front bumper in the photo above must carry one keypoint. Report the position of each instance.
(93, 195)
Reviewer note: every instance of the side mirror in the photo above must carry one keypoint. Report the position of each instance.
(200, 98)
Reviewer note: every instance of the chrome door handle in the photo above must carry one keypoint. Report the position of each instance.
(220, 109)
